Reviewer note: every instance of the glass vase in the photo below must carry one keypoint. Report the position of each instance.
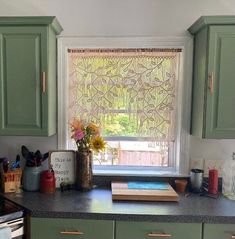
(84, 161)
(228, 174)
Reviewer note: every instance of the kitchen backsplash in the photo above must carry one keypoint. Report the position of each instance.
(203, 153)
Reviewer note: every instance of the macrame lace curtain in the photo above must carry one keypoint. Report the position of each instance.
(139, 84)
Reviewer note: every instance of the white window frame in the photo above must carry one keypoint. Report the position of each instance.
(181, 151)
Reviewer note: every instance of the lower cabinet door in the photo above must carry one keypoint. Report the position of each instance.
(219, 231)
(54, 228)
(152, 230)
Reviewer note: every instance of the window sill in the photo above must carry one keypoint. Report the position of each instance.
(103, 178)
(139, 173)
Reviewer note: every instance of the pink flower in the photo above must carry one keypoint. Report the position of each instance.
(78, 135)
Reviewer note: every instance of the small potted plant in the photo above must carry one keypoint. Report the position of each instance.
(33, 168)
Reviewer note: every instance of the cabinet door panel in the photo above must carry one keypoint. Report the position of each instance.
(148, 230)
(21, 97)
(51, 228)
(219, 231)
(28, 110)
(221, 66)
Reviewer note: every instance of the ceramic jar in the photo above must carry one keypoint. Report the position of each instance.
(47, 182)
(31, 178)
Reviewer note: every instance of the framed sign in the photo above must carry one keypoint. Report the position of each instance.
(63, 164)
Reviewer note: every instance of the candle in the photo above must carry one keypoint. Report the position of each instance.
(213, 181)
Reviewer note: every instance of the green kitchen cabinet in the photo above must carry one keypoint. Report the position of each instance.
(28, 88)
(213, 96)
(146, 230)
(60, 228)
(219, 231)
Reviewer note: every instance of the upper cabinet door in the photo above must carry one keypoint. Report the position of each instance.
(28, 88)
(220, 111)
(23, 60)
(213, 96)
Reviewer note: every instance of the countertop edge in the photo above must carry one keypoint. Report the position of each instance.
(98, 205)
(137, 217)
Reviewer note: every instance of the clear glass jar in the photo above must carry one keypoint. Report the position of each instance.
(228, 174)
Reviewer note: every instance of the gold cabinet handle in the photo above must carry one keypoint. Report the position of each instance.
(71, 233)
(157, 234)
(211, 82)
(43, 79)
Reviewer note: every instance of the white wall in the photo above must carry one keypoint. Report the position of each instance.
(120, 18)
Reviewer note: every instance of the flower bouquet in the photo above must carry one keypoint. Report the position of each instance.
(87, 138)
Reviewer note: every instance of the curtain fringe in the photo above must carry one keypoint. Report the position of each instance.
(126, 52)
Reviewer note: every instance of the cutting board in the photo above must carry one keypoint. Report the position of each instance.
(123, 191)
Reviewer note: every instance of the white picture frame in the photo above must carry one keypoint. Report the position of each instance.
(63, 164)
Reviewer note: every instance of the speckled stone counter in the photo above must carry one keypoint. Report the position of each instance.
(98, 204)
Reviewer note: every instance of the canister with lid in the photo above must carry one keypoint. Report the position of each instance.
(47, 182)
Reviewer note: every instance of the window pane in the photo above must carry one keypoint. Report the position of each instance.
(129, 94)
(133, 153)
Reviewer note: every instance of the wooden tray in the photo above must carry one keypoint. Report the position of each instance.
(120, 191)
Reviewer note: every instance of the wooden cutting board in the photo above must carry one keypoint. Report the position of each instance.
(122, 191)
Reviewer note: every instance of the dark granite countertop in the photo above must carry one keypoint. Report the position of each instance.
(98, 204)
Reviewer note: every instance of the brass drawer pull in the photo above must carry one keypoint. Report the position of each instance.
(157, 234)
(71, 233)
(211, 82)
(43, 79)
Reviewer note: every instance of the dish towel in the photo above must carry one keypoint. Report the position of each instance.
(5, 233)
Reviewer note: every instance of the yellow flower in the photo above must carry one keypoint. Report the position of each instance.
(76, 125)
(97, 143)
(93, 128)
